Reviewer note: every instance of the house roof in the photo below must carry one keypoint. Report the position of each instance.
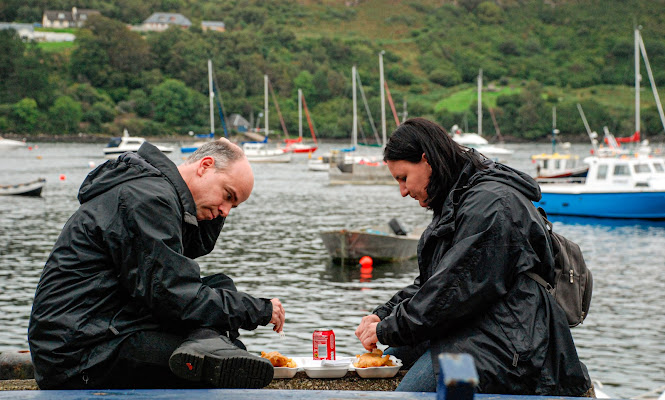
(168, 18)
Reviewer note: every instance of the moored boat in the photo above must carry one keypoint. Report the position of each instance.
(615, 187)
(32, 188)
(9, 144)
(556, 165)
(261, 151)
(382, 244)
(125, 143)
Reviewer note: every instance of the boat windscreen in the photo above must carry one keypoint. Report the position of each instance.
(115, 142)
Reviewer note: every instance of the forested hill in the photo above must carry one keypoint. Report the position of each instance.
(534, 54)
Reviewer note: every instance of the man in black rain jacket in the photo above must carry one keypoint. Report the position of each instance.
(121, 302)
(471, 295)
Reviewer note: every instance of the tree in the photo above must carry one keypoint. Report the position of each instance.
(176, 105)
(65, 115)
(109, 54)
(26, 115)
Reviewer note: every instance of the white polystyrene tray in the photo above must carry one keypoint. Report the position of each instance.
(316, 369)
(380, 372)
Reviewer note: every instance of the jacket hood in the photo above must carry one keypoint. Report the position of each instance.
(519, 180)
(471, 176)
(149, 161)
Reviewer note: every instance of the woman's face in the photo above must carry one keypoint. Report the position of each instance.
(413, 178)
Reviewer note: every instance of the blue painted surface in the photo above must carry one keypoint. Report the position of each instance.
(240, 394)
(458, 377)
(188, 149)
(643, 205)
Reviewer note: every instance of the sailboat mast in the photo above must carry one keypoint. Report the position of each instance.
(300, 113)
(554, 131)
(212, 95)
(637, 80)
(654, 89)
(265, 101)
(354, 130)
(480, 102)
(383, 100)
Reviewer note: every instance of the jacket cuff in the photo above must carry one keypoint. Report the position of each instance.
(267, 313)
(381, 312)
(379, 333)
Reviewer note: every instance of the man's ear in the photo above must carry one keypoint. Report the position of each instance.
(204, 164)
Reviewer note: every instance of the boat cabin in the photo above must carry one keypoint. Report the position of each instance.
(551, 166)
(627, 172)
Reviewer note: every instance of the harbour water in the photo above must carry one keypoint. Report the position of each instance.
(270, 246)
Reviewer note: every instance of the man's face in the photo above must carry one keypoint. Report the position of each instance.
(216, 193)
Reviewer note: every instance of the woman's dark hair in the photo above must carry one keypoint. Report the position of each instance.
(447, 158)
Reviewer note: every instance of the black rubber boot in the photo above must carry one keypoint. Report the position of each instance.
(206, 356)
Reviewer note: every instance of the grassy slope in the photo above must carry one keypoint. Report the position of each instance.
(380, 24)
(389, 23)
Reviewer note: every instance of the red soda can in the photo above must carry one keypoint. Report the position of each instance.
(323, 345)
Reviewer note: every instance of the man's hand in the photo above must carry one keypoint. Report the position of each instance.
(366, 331)
(278, 315)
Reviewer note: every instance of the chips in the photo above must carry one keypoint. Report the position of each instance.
(373, 359)
(278, 360)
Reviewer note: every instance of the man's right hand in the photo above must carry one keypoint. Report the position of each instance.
(278, 315)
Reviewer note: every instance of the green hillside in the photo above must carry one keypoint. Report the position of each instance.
(535, 55)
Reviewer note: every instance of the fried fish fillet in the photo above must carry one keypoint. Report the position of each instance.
(373, 359)
(278, 360)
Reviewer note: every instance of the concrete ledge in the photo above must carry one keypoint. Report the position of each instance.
(299, 382)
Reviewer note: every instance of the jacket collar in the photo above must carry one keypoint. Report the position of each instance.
(444, 222)
(160, 161)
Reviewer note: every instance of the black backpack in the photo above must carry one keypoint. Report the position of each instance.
(573, 281)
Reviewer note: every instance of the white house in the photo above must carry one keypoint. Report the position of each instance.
(66, 19)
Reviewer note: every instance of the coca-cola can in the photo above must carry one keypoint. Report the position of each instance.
(323, 344)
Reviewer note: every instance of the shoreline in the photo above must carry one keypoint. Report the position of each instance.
(101, 138)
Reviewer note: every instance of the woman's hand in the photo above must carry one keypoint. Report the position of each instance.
(366, 331)
(278, 315)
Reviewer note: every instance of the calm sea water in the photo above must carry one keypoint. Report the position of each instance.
(270, 246)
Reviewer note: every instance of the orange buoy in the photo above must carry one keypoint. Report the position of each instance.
(366, 262)
(62, 177)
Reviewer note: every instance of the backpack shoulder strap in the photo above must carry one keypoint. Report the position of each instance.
(533, 275)
(540, 280)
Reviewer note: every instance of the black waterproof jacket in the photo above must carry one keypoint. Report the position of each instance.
(124, 263)
(471, 296)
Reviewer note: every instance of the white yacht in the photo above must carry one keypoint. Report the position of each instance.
(125, 143)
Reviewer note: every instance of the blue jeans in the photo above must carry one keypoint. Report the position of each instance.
(418, 361)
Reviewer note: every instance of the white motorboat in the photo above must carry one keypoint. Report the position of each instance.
(9, 144)
(125, 143)
(615, 187)
(259, 152)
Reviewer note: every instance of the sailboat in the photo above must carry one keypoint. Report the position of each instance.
(192, 147)
(636, 136)
(476, 140)
(260, 151)
(297, 145)
(364, 170)
(618, 184)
